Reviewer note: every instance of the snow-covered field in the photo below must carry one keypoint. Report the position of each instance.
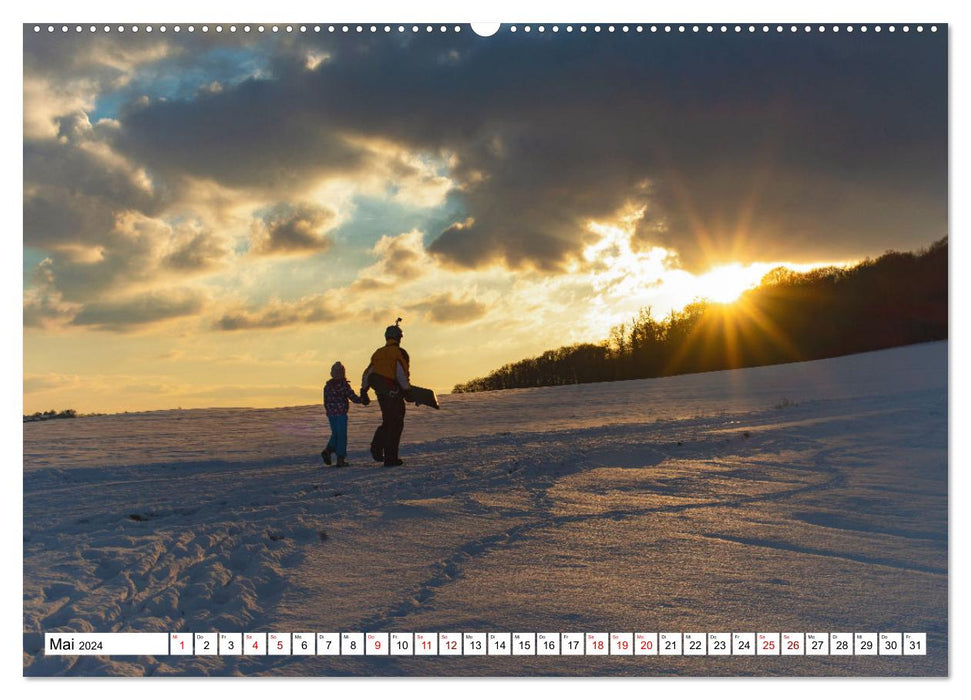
(805, 497)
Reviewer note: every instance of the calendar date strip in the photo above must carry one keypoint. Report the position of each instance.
(486, 644)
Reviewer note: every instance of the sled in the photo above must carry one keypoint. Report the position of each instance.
(422, 396)
(418, 395)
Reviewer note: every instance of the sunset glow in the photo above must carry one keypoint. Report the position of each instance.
(724, 284)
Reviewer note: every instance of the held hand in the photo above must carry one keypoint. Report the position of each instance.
(365, 399)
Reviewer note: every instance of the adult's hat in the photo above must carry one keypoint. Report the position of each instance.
(393, 332)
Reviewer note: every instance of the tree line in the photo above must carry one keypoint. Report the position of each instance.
(896, 299)
(50, 415)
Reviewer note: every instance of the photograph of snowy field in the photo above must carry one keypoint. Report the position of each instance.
(528, 329)
(805, 497)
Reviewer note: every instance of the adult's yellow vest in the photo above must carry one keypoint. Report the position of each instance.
(384, 359)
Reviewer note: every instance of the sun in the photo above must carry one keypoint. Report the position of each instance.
(725, 283)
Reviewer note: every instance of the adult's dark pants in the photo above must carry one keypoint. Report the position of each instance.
(387, 437)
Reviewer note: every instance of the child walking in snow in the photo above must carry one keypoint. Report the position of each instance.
(337, 393)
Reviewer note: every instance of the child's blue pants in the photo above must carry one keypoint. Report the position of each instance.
(338, 436)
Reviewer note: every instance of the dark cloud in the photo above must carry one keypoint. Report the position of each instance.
(132, 251)
(99, 55)
(308, 311)
(369, 284)
(242, 137)
(75, 187)
(447, 308)
(138, 311)
(401, 258)
(287, 229)
(200, 252)
(44, 307)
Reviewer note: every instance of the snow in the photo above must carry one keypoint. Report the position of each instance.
(803, 497)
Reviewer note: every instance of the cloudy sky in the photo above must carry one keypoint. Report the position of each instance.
(213, 219)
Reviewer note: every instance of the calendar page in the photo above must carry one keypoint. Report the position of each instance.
(538, 348)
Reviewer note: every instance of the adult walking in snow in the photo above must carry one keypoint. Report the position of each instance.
(388, 375)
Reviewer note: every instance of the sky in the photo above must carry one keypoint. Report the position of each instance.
(214, 219)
